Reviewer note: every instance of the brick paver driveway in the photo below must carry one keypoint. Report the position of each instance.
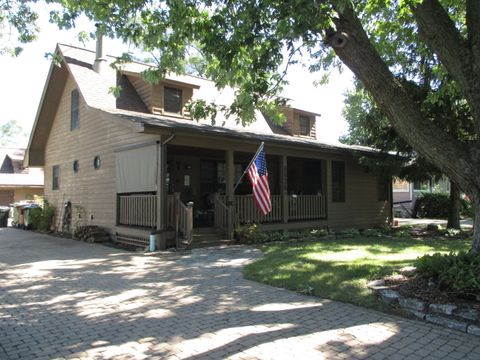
(61, 298)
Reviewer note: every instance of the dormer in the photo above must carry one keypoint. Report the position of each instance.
(299, 122)
(168, 97)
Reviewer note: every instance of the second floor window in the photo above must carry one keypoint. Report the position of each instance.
(74, 110)
(304, 125)
(55, 177)
(172, 100)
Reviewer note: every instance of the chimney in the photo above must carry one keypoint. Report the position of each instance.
(100, 60)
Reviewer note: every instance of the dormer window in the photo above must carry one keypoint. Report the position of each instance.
(74, 110)
(172, 99)
(304, 126)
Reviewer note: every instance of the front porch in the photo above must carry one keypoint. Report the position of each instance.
(199, 193)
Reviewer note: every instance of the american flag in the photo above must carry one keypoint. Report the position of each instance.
(258, 175)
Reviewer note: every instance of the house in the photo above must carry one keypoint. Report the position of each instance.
(18, 183)
(138, 162)
(405, 193)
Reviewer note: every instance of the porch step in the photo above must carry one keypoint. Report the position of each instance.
(205, 237)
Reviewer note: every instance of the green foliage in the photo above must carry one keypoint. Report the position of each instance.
(250, 234)
(436, 205)
(432, 205)
(10, 132)
(340, 269)
(348, 233)
(372, 233)
(455, 273)
(17, 25)
(42, 218)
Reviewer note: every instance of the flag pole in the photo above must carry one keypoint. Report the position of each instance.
(248, 167)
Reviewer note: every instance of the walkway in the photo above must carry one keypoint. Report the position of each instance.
(64, 299)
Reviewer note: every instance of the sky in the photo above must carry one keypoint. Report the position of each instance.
(23, 79)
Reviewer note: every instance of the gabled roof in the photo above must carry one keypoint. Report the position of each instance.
(12, 172)
(96, 91)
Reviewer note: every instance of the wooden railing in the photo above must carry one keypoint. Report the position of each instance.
(306, 207)
(247, 211)
(137, 210)
(183, 219)
(299, 207)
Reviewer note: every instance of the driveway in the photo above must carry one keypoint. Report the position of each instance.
(65, 299)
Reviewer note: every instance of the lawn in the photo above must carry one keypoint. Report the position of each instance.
(339, 269)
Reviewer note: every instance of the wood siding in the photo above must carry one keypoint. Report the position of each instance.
(361, 208)
(152, 95)
(292, 125)
(92, 192)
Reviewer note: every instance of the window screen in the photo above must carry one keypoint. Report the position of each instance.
(172, 100)
(304, 125)
(338, 181)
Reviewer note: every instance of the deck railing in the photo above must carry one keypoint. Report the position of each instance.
(306, 207)
(137, 210)
(141, 210)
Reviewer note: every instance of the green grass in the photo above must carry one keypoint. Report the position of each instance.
(340, 269)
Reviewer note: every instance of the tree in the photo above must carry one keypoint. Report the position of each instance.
(17, 25)
(368, 126)
(10, 132)
(244, 42)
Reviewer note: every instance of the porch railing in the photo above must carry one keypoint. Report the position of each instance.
(137, 210)
(306, 207)
(141, 210)
(299, 207)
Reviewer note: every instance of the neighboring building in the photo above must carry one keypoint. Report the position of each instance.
(133, 163)
(405, 193)
(17, 182)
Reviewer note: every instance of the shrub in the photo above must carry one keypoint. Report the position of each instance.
(454, 273)
(348, 233)
(42, 218)
(250, 234)
(372, 233)
(432, 205)
(436, 205)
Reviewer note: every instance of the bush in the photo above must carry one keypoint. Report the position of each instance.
(347, 233)
(432, 205)
(250, 234)
(436, 205)
(372, 233)
(454, 273)
(42, 218)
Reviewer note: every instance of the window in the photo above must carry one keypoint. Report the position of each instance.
(382, 188)
(338, 181)
(96, 162)
(172, 100)
(304, 125)
(55, 177)
(76, 166)
(74, 110)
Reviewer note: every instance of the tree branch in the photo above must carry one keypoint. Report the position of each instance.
(439, 32)
(473, 27)
(354, 48)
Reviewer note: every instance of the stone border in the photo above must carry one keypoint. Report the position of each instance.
(447, 315)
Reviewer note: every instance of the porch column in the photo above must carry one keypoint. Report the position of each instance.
(229, 184)
(284, 187)
(159, 185)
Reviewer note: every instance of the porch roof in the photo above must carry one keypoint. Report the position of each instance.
(191, 126)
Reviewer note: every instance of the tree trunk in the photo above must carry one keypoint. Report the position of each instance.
(476, 223)
(459, 161)
(454, 209)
